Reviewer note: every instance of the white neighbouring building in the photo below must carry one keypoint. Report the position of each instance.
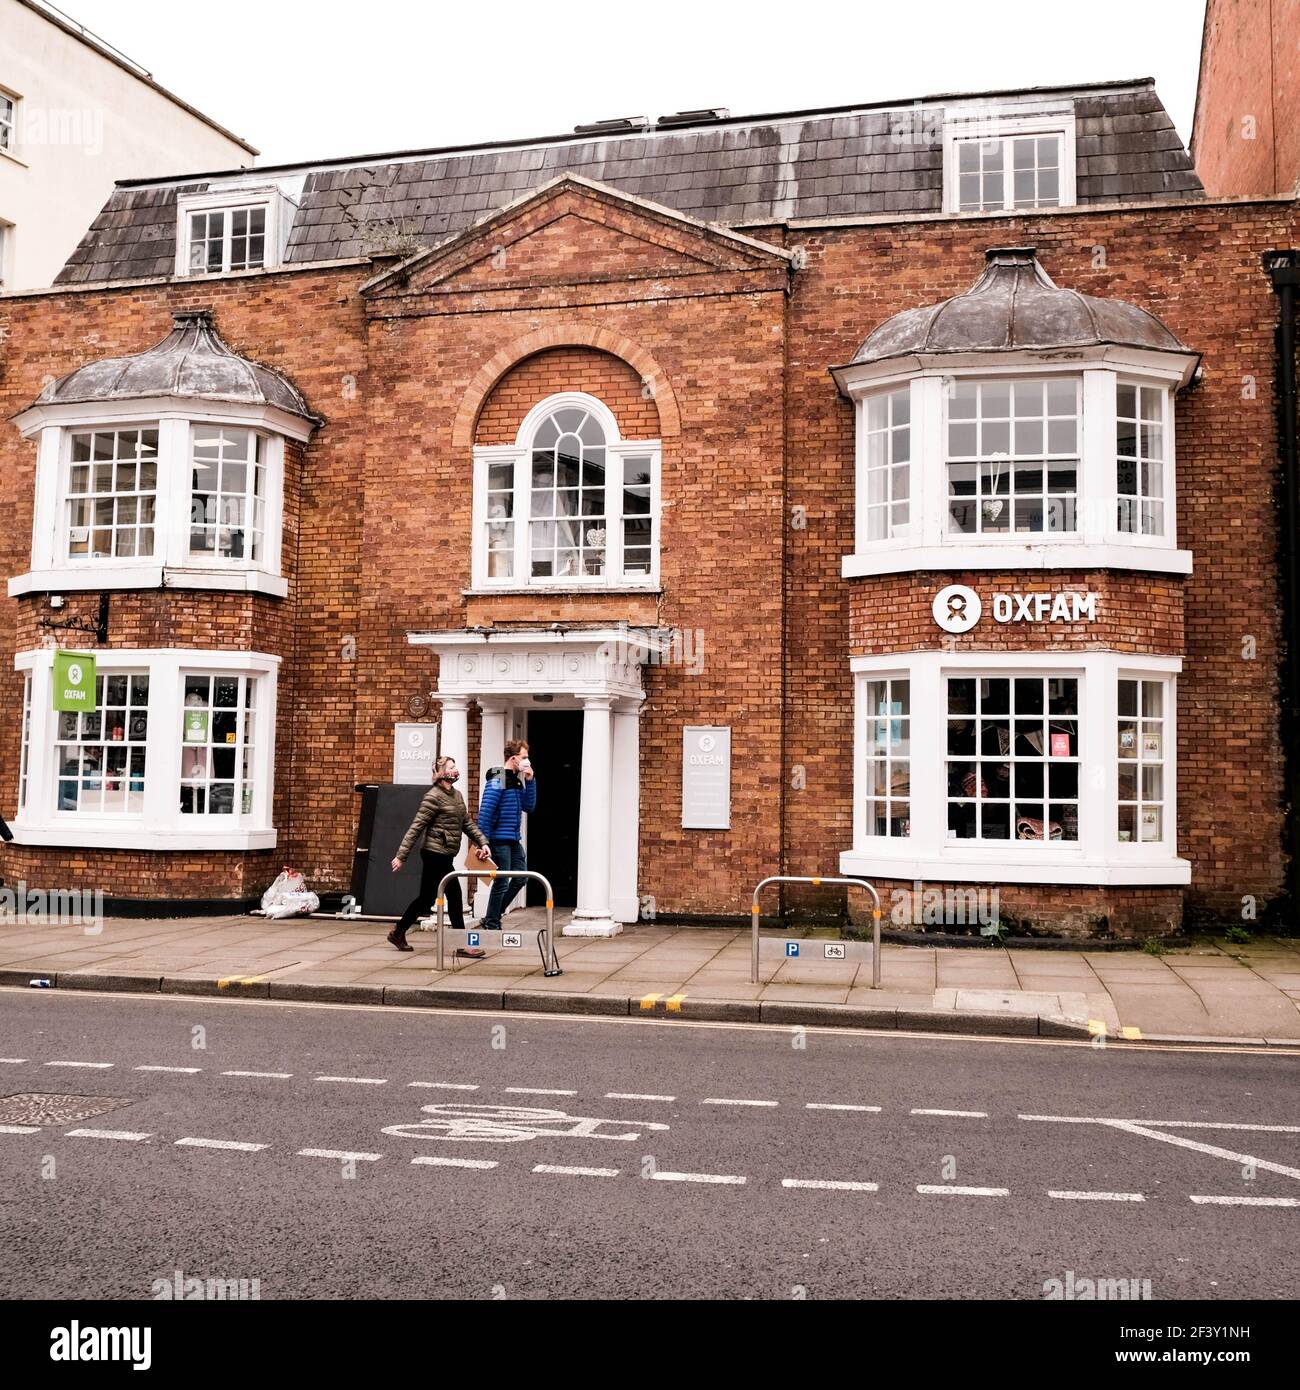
(76, 115)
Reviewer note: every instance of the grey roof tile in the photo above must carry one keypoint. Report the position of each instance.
(872, 162)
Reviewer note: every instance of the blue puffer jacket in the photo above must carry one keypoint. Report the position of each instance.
(506, 797)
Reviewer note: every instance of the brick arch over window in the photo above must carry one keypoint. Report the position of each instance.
(554, 370)
(571, 336)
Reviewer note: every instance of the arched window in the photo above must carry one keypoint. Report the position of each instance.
(569, 503)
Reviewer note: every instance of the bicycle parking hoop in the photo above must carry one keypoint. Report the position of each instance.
(853, 882)
(550, 959)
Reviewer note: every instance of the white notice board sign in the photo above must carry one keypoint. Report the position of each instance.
(415, 746)
(706, 777)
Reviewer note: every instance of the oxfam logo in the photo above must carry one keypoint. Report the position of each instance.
(75, 673)
(957, 608)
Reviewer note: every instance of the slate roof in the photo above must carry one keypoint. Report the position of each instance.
(741, 172)
(190, 363)
(1015, 305)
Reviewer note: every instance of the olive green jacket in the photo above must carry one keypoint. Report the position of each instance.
(442, 819)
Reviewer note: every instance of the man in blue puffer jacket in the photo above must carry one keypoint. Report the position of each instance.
(509, 793)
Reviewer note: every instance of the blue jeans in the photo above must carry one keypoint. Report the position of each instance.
(508, 854)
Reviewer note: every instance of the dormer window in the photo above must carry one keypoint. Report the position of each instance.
(224, 231)
(1009, 159)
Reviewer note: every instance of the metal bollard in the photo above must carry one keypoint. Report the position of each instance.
(855, 882)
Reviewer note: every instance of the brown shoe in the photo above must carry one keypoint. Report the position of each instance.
(394, 939)
(473, 952)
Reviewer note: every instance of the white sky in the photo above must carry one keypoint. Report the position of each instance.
(307, 79)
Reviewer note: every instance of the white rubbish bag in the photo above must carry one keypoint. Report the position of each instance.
(288, 896)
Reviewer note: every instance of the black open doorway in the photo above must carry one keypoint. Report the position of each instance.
(555, 746)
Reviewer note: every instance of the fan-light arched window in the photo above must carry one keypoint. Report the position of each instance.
(570, 503)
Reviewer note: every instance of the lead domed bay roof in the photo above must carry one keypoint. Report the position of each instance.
(191, 363)
(1016, 306)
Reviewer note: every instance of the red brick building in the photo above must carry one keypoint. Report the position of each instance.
(803, 517)
(1246, 136)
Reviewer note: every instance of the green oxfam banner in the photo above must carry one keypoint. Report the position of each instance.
(74, 681)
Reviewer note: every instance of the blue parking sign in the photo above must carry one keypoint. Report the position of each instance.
(792, 948)
(473, 938)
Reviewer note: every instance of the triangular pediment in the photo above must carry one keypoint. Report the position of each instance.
(570, 231)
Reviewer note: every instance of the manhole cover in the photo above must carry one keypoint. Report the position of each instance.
(40, 1108)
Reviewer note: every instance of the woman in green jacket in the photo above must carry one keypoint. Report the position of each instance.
(441, 820)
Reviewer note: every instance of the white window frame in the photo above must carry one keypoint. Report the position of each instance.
(6, 250)
(171, 564)
(1097, 541)
(1169, 493)
(1097, 856)
(9, 145)
(519, 456)
(1006, 123)
(280, 209)
(159, 825)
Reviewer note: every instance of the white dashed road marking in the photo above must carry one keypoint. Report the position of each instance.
(20, 1129)
(15, 1060)
(576, 1172)
(187, 1071)
(344, 1154)
(1249, 1201)
(1098, 1196)
(1213, 1150)
(932, 1189)
(98, 1066)
(269, 1075)
(436, 1162)
(827, 1105)
(956, 1114)
(536, 1091)
(830, 1185)
(129, 1135)
(358, 1080)
(237, 1144)
(696, 1177)
(722, 1100)
(636, 1095)
(443, 1085)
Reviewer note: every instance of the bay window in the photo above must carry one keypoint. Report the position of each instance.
(177, 753)
(571, 503)
(186, 498)
(1048, 767)
(968, 468)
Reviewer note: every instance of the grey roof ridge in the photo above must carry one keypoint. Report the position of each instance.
(408, 156)
(536, 194)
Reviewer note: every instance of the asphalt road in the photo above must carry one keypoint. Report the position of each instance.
(569, 1158)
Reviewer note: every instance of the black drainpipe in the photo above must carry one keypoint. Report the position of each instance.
(1283, 269)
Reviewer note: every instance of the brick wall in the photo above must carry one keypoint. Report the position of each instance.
(1246, 137)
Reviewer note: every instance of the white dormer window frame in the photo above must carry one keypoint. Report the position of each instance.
(10, 103)
(996, 128)
(1098, 537)
(222, 208)
(173, 563)
(509, 508)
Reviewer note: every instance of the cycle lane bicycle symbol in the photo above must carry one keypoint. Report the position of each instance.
(513, 1124)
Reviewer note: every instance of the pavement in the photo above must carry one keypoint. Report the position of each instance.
(293, 1150)
(1205, 990)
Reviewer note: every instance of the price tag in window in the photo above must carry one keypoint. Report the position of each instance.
(230, 737)
(1060, 745)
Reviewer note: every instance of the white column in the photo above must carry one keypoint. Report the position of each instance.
(593, 916)
(491, 753)
(453, 737)
(625, 810)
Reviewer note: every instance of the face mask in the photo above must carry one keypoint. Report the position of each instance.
(450, 777)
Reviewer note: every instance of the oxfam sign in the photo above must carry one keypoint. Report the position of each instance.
(958, 608)
(74, 681)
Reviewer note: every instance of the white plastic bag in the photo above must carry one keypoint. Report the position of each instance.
(288, 896)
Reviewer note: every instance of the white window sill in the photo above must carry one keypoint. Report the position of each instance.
(72, 834)
(902, 559)
(84, 577)
(488, 590)
(1035, 866)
